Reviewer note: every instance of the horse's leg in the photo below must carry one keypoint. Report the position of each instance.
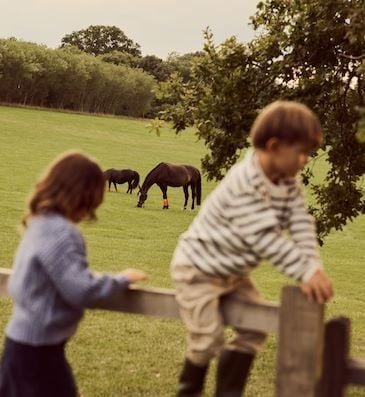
(186, 194)
(129, 190)
(115, 186)
(109, 182)
(193, 194)
(163, 188)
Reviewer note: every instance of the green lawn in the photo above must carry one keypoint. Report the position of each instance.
(123, 355)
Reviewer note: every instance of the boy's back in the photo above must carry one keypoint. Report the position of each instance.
(245, 210)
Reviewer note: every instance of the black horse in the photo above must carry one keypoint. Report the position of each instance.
(165, 174)
(114, 176)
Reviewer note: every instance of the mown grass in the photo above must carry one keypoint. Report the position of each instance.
(123, 355)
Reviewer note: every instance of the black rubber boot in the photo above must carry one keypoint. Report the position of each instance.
(232, 373)
(191, 380)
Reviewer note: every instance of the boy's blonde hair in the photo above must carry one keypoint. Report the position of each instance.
(290, 123)
(72, 185)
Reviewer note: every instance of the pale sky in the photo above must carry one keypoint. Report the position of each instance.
(159, 26)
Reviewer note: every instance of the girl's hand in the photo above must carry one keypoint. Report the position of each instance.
(318, 288)
(134, 275)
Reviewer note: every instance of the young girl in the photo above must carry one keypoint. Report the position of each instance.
(51, 284)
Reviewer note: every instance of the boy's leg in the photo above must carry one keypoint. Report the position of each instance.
(198, 297)
(191, 380)
(235, 361)
(247, 341)
(232, 373)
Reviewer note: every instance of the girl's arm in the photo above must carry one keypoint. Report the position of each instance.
(64, 260)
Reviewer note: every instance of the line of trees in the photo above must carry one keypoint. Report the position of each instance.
(68, 78)
(113, 46)
(97, 69)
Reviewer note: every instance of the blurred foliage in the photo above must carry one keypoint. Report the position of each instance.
(361, 131)
(155, 126)
(311, 52)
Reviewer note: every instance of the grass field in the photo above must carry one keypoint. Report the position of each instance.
(123, 355)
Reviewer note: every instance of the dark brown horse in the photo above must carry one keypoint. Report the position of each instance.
(119, 177)
(165, 174)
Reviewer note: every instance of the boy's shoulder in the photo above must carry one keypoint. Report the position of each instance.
(244, 177)
(248, 178)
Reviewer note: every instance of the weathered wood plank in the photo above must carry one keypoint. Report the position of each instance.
(258, 317)
(355, 371)
(336, 350)
(161, 302)
(300, 345)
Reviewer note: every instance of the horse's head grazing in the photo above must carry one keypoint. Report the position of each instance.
(142, 197)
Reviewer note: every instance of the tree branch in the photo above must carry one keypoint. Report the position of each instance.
(352, 57)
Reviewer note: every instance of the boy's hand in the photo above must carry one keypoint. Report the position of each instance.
(134, 275)
(318, 287)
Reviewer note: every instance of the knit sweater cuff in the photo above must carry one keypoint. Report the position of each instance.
(312, 268)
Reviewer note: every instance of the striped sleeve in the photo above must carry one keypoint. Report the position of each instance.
(301, 226)
(260, 229)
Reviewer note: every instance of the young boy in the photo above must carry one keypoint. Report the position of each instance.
(240, 224)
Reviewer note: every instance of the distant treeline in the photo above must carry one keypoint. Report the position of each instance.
(67, 78)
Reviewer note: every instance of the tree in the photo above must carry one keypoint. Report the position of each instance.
(98, 39)
(221, 99)
(361, 132)
(311, 52)
(182, 64)
(155, 66)
(120, 58)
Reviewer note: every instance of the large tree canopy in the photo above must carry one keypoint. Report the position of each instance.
(97, 40)
(309, 51)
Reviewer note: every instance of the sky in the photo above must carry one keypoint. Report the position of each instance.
(158, 26)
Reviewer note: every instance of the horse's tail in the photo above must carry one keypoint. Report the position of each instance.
(135, 180)
(199, 189)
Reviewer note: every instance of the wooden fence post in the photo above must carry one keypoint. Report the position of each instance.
(300, 348)
(336, 350)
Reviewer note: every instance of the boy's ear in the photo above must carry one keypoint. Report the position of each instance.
(272, 145)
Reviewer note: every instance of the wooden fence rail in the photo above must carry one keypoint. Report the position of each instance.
(312, 358)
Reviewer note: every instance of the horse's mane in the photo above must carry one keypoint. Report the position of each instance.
(153, 169)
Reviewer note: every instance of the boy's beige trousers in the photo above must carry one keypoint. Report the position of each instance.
(198, 297)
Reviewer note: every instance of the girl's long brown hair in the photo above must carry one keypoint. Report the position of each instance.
(72, 185)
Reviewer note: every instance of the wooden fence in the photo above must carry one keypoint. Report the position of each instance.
(313, 356)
